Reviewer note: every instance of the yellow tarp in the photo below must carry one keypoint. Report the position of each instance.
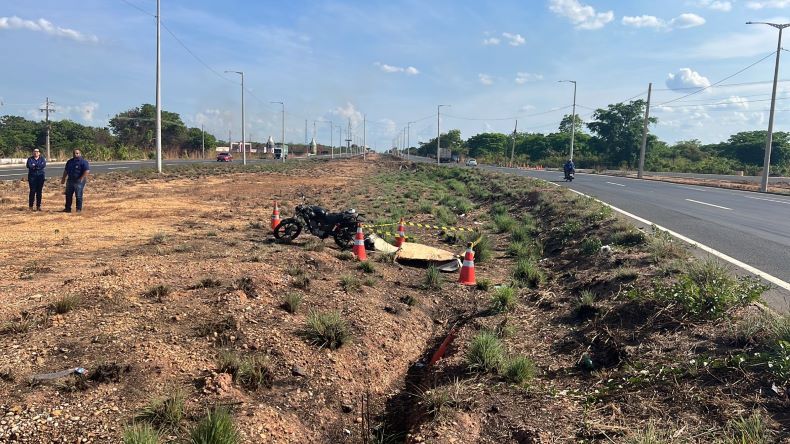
(418, 252)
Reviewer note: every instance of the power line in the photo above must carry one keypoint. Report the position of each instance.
(720, 81)
(138, 8)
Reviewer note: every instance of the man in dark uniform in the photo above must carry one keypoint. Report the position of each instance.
(35, 177)
(76, 172)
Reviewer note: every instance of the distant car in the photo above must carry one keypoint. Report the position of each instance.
(471, 163)
(224, 157)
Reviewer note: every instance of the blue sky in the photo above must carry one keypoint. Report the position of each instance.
(394, 61)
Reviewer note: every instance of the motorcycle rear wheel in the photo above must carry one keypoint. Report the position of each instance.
(344, 237)
(288, 230)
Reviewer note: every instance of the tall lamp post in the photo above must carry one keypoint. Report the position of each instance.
(767, 161)
(408, 138)
(573, 115)
(438, 134)
(282, 140)
(243, 146)
(158, 90)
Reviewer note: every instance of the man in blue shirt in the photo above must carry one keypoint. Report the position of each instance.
(76, 172)
(35, 177)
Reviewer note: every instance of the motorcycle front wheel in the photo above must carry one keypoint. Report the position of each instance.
(344, 237)
(288, 230)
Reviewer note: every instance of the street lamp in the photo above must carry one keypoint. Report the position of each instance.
(767, 161)
(158, 91)
(243, 147)
(438, 133)
(573, 115)
(408, 138)
(282, 141)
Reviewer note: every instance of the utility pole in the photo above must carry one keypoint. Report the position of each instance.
(513, 147)
(243, 146)
(305, 131)
(158, 89)
(767, 161)
(332, 139)
(282, 150)
(408, 138)
(644, 133)
(230, 144)
(364, 136)
(203, 140)
(340, 139)
(348, 138)
(573, 115)
(438, 134)
(46, 111)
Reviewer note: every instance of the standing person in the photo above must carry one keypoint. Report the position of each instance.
(76, 171)
(35, 177)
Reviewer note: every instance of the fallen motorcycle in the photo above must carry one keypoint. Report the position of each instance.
(341, 226)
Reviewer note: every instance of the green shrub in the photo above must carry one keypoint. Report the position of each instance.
(591, 245)
(504, 299)
(164, 413)
(216, 427)
(504, 223)
(444, 216)
(528, 274)
(65, 304)
(751, 430)
(292, 301)
(367, 267)
(485, 353)
(350, 283)
(433, 278)
(327, 329)
(521, 233)
(650, 435)
(483, 247)
(140, 434)
(519, 370)
(484, 284)
(345, 256)
(628, 237)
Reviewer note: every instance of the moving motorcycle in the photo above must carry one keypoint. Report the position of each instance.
(569, 175)
(341, 226)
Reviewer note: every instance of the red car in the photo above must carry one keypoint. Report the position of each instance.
(224, 157)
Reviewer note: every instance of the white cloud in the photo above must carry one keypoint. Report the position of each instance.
(491, 41)
(583, 16)
(410, 70)
(644, 21)
(716, 5)
(777, 4)
(389, 126)
(683, 21)
(485, 79)
(45, 26)
(686, 78)
(524, 77)
(349, 112)
(687, 20)
(514, 39)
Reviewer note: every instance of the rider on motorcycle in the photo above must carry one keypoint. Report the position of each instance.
(569, 168)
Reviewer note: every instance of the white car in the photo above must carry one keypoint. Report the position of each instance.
(471, 163)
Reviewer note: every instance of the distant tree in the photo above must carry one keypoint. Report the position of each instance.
(194, 139)
(618, 131)
(451, 139)
(18, 134)
(489, 144)
(565, 124)
(137, 127)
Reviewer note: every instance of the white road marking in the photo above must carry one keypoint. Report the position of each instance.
(708, 204)
(9, 175)
(694, 188)
(772, 279)
(618, 184)
(118, 168)
(769, 200)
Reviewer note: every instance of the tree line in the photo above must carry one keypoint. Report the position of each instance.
(612, 139)
(129, 135)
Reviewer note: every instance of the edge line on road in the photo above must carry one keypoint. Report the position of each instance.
(770, 278)
(709, 204)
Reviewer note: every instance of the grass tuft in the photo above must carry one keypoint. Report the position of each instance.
(504, 299)
(349, 283)
(367, 267)
(752, 430)
(519, 370)
(216, 427)
(291, 302)
(327, 329)
(157, 292)
(485, 353)
(65, 304)
(484, 284)
(527, 273)
(433, 278)
(141, 433)
(164, 413)
(591, 245)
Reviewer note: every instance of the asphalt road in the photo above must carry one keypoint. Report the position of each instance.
(753, 228)
(55, 170)
(733, 178)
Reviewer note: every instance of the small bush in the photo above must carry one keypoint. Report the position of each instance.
(524, 250)
(483, 247)
(295, 270)
(345, 256)
(327, 329)
(211, 234)
(485, 352)
(504, 223)
(752, 430)
(651, 435)
(208, 283)
(628, 237)
(521, 233)
(140, 434)
(158, 239)
(65, 304)
(626, 273)
(425, 207)
(291, 302)
(444, 216)
(570, 229)
(584, 306)
(504, 299)
(591, 245)
(519, 370)
(157, 292)
(409, 300)
(528, 274)
(369, 281)
(301, 281)
(662, 246)
(484, 284)
(216, 427)
(367, 267)
(433, 278)
(164, 413)
(314, 245)
(385, 258)
(350, 283)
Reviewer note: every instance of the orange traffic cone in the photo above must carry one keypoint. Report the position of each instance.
(275, 216)
(359, 244)
(401, 237)
(468, 270)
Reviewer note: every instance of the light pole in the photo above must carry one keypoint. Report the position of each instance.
(158, 90)
(408, 138)
(573, 115)
(438, 133)
(340, 137)
(767, 161)
(282, 149)
(243, 146)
